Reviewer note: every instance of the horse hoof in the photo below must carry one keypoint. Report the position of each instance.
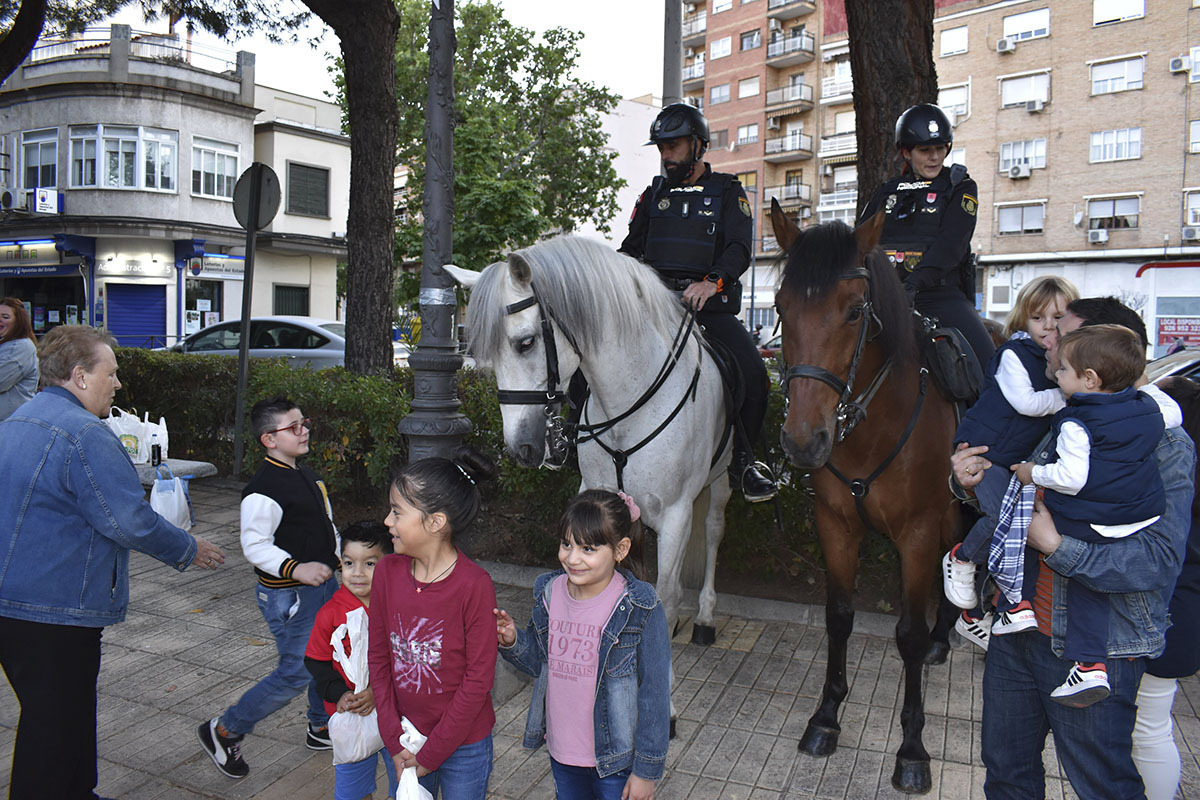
(819, 741)
(672, 734)
(912, 777)
(938, 651)
(703, 634)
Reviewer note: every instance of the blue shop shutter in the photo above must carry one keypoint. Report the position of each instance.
(137, 314)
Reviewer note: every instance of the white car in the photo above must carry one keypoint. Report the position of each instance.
(305, 341)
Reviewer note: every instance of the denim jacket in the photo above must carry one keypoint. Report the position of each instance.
(631, 713)
(1138, 572)
(71, 509)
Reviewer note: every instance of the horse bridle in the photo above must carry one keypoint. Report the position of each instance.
(849, 412)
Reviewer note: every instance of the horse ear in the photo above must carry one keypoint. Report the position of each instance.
(867, 234)
(519, 269)
(786, 231)
(467, 278)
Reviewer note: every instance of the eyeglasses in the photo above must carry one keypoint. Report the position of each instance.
(295, 427)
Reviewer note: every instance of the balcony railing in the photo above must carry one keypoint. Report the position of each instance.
(788, 193)
(786, 45)
(94, 42)
(694, 71)
(696, 25)
(836, 87)
(797, 92)
(789, 143)
(838, 143)
(774, 4)
(844, 197)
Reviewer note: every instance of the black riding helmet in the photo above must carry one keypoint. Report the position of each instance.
(922, 124)
(677, 120)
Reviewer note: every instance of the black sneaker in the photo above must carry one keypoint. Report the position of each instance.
(757, 483)
(225, 752)
(318, 738)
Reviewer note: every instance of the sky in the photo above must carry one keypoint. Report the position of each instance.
(621, 49)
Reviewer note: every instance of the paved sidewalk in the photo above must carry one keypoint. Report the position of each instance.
(194, 641)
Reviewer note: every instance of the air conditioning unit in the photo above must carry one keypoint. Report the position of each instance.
(1006, 45)
(12, 198)
(1018, 171)
(1191, 233)
(827, 170)
(1180, 64)
(688, 52)
(1034, 106)
(1099, 236)
(805, 212)
(774, 25)
(772, 123)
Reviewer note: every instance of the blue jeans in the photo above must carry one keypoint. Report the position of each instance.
(584, 783)
(990, 494)
(290, 614)
(1093, 743)
(356, 780)
(464, 775)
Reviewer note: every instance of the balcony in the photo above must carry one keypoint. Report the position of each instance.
(789, 194)
(693, 30)
(790, 9)
(787, 51)
(838, 144)
(693, 72)
(789, 147)
(790, 99)
(840, 199)
(837, 90)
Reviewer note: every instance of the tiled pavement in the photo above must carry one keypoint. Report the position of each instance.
(194, 641)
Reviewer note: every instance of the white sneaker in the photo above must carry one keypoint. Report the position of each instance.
(975, 631)
(1014, 621)
(1083, 687)
(958, 580)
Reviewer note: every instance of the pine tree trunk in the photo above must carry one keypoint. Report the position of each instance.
(367, 30)
(891, 58)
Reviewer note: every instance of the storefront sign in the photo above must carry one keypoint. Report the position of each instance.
(225, 268)
(38, 270)
(47, 201)
(134, 267)
(1185, 328)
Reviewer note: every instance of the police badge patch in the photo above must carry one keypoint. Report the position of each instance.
(970, 204)
(744, 205)
(664, 204)
(890, 203)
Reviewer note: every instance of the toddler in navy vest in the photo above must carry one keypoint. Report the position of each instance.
(1102, 481)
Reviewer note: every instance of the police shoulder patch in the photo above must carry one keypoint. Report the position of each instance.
(744, 205)
(970, 204)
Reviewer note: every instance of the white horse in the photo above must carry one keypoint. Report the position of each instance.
(613, 319)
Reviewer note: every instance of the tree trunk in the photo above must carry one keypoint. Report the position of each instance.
(22, 36)
(368, 30)
(891, 58)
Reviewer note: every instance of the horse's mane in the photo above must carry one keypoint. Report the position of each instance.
(589, 288)
(820, 256)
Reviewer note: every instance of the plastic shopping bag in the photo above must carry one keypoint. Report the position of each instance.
(169, 497)
(156, 432)
(132, 433)
(354, 736)
(411, 740)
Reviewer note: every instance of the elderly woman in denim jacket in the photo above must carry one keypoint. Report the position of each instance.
(18, 356)
(71, 509)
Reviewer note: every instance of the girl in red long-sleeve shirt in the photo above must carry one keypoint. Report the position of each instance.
(432, 650)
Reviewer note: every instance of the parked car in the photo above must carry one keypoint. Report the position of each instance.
(772, 347)
(306, 341)
(1184, 364)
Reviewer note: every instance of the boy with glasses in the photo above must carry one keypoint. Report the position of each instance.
(289, 537)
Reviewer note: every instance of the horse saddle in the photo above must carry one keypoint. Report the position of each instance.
(732, 378)
(951, 362)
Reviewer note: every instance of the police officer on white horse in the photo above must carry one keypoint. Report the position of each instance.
(693, 226)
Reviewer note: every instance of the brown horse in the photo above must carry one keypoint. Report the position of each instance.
(863, 416)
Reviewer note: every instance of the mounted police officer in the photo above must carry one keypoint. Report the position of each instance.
(693, 226)
(929, 219)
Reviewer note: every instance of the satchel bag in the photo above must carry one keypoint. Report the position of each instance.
(354, 736)
(952, 363)
(169, 498)
(132, 433)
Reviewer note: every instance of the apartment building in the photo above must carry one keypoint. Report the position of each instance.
(1077, 118)
(119, 153)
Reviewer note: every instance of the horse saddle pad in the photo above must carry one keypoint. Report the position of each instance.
(731, 376)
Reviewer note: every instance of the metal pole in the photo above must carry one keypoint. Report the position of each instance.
(256, 178)
(672, 91)
(435, 426)
(754, 240)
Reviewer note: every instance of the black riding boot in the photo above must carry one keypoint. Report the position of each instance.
(753, 478)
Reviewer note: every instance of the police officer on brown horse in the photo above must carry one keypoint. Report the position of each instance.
(693, 226)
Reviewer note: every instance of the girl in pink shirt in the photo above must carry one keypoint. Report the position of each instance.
(599, 648)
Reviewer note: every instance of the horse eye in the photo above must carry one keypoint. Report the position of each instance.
(855, 314)
(525, 344)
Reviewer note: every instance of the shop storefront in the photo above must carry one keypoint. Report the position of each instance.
(51, 287)
(212, 291)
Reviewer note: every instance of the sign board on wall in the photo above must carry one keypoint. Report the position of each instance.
(1185, 328)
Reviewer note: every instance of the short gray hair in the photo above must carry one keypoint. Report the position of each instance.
(69, 346)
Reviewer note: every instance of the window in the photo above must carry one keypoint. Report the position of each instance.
(720, 139)
(1118, 76)
(845, 178)
(214, 168)
(720, 48)
(1194, 136)
(1029, 25)
(291, 301)
(722, 5)
(39, 151)
(752, 39)
(718, 94)
(1191, 208)
(123, 157)
(749, 181)
(1114, 212)
(1106, 11)
(955, 100)
(1020, 89)
(1116, 145)
(83, 155)
(696, 101)
(119, 157)
(1019, 219)
(954, 41)
(843, 122)
(160, 150)
(748, 87)
(958, 155)
(307, 190)
(1031, 152)
(747, 134)
(1194, 73)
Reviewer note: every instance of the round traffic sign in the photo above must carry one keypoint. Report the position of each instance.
(268, 196)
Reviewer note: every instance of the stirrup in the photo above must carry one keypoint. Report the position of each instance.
(766, 474)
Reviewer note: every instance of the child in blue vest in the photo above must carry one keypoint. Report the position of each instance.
(1103, 481)
(1011, 416)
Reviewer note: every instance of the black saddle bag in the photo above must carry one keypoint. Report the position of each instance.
(951, 362)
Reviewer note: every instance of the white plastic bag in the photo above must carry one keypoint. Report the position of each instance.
(412, 741)
(132, 433)
(156, 429)
(354, 736)
(169, 497)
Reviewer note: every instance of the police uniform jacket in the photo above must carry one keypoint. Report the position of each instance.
(928, 226)
(690, 231)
